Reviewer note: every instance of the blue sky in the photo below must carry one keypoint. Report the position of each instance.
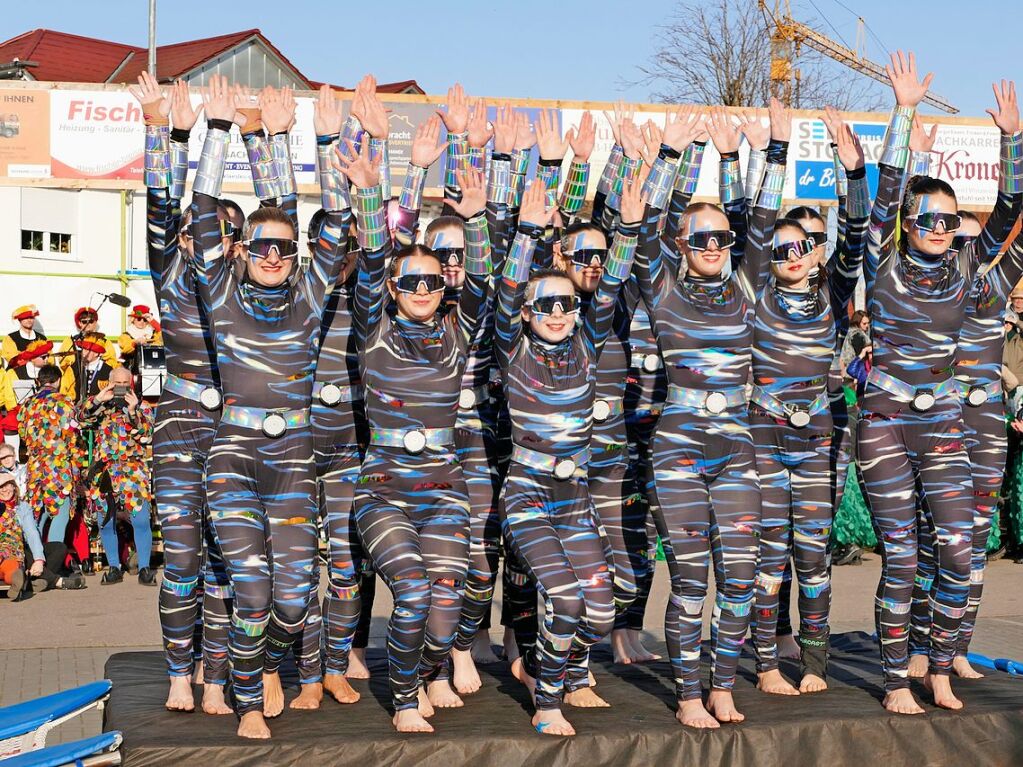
(571, 49)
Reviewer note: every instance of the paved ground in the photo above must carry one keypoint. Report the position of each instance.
(61, 639)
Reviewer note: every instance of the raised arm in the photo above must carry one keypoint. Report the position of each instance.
(599, 317)
(726, 137)
(475, 294)
(456, 121)
(1010, 173)
(511, 287)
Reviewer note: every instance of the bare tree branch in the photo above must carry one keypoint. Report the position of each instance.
(719, 52)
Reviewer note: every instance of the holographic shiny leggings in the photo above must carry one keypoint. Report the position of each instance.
(795, 488)
(987, 445)
(899, 456)
(412, 514)
(262, 495)
(194, 571)
(552, 528)
(708, 508)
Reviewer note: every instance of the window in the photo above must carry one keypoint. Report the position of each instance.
(60, 243)
(31, 240)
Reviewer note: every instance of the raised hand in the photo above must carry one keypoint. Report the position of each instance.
(631, 140)
(277, 109)
(370, 110)
(652, 137)
(474, 194)
(479, 128)
(219, 100)
(504, 130)
(909, 90)
(525, 138)
(533, 209)
(357, 167)
(456, 112)
(155, 106)
(847, 144)
(758, 135)
(723, 132)
(183, 114)
(248, 115)
(548, 136)
(327, 115)
(681, 126)
(582, 138)
(633, 202)
(780, 117)
(1007, 116)
(426, 145)
(616, 117)
(919, 139)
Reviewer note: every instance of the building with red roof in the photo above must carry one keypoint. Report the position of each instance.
(245, 57)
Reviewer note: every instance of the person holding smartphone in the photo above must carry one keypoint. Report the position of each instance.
(118, 480)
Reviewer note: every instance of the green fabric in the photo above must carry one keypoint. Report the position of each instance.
(850, 396)
(852, 522)
(994, 540)
(1012, 491)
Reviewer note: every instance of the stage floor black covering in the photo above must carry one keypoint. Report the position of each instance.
(843, 726)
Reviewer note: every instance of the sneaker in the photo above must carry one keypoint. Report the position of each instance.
(113, 575)
(147, 577)
(847, 554)
(73, 582)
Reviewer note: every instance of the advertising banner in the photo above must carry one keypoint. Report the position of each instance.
(25, 134)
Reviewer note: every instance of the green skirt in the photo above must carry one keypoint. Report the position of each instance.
(852, 520)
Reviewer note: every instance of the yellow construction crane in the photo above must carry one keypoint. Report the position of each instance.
(787, 37)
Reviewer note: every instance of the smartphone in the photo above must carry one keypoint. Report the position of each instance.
(120, 390)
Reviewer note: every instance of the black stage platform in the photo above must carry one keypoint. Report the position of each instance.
(843, 726)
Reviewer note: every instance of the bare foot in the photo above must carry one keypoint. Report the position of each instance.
(621, 647)
(357, 668)
(691, 713)
(774, 683)
(482, 650)
(901, 702)
(273, 695)
(962, 668)
(590, 679)
(511, 648)
(940, 686)
(213, 700)
(441, 694)
(812, 683)
(585, 697)
(179, 698)
(309, 697)
(721, 705)
(639, 652)
(425, 707)
(918, 665)
(197, 674)
(337, 686)
(552, 722)
(253, 725)
(410, 720)
(466, 677)
(788, 647)
(518, 670)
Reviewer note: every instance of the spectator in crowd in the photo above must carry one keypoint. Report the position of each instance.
(857, 346)
(9, 464)
(18, 340)
(49, 431)
(18, 532)
(118, 480)
(1012, 351)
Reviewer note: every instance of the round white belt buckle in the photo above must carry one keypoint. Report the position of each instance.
(564, 468)
(799, 418)
(977, 396)
(414, 442)
(601, 410)
(210, 398)
(274, 425)
(467, 399)
(923, 401)
(330, 394)
(715, 403)
(651, 362)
